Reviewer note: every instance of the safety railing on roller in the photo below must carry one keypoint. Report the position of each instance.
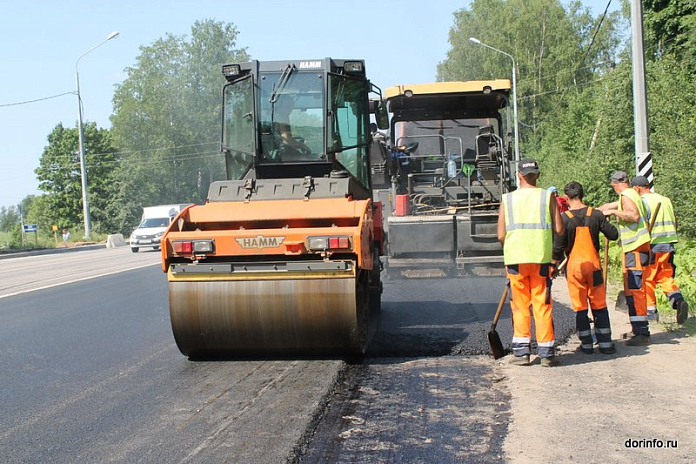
(488, 161)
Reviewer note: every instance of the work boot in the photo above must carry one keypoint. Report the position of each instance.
(608, 350)
(519, 360)
(638, 340)
(584, 350)
(549, 362)
(682, 312)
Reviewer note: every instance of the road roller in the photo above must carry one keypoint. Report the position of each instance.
(283, 257)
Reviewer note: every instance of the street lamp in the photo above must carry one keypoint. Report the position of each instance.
(514, 90)
(83, 168)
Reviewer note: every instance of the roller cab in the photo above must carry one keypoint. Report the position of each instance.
(283, 259)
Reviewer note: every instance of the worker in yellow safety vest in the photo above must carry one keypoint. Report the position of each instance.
(635, 245)
(527, 219)
(662, 239)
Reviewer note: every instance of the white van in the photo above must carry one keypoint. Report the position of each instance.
(152, 226)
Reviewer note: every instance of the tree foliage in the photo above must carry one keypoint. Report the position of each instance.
(167, 118)
(60, 178)
(555, 51)
(595, 136)
(574, 87)
(672, 118)
(9, 216)
(670, 28)
(576, 113)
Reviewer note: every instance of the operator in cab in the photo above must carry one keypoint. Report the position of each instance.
(292, 147)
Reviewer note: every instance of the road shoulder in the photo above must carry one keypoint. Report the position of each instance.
(629, 406)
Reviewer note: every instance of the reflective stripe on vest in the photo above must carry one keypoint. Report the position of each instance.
(528, 226)
(665, 227)
(633, 234)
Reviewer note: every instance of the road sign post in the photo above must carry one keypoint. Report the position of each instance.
(32, 228)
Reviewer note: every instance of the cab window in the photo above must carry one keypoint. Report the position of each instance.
(348, 131)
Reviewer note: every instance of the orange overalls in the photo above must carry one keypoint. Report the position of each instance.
(530, 284)
(527, 253)
(661, 272)
(586, 284)
(635, 264)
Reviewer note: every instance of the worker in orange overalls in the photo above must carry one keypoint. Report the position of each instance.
(635, 245)
(584, 272)
(527, 219)
(662, 240)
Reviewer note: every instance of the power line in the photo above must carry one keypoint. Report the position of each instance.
(171, 159)
(562, 89)
(601, 20)
(556, 91)
(128, 152)
(566, 71)
(147, 162)
(37, 100)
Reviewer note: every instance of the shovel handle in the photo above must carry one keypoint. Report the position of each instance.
(563, 264)
(654, 216)
(605, 268)
(501, 303)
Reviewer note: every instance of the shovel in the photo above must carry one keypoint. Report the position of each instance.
(493, 337)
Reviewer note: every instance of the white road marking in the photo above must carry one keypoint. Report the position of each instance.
(78, 280)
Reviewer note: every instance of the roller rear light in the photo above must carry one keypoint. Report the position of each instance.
(333, 243)
(182, 248)
(194, 247)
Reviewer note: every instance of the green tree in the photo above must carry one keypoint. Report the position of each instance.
(672, 118)
(582, 112)
(59, 177)
(9, 216)
(167, 118)
(556, 51)
(594, 135)
(591, 137)
(670, 42)
(670, 28)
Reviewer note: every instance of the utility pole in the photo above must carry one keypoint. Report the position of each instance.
(640, 100)
(21, 221)
(83, 167)
(514, 91)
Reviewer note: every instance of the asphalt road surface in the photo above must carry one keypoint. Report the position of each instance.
(91, 373)
(427, 392)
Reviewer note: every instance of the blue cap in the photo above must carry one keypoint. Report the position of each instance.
(552, 189)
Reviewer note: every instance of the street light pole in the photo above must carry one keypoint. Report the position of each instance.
(83, 167)
(514, 91)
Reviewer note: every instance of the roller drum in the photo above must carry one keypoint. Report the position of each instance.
(280, 317)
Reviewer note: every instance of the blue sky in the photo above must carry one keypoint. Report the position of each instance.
(401, 41)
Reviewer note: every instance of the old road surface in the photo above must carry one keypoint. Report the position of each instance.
(90, 373)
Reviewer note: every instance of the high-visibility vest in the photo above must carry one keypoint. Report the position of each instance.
(633, 234)
(528, 226)
(665, 226)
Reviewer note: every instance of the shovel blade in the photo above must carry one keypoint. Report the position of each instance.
(621, 304)
(495, 344)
